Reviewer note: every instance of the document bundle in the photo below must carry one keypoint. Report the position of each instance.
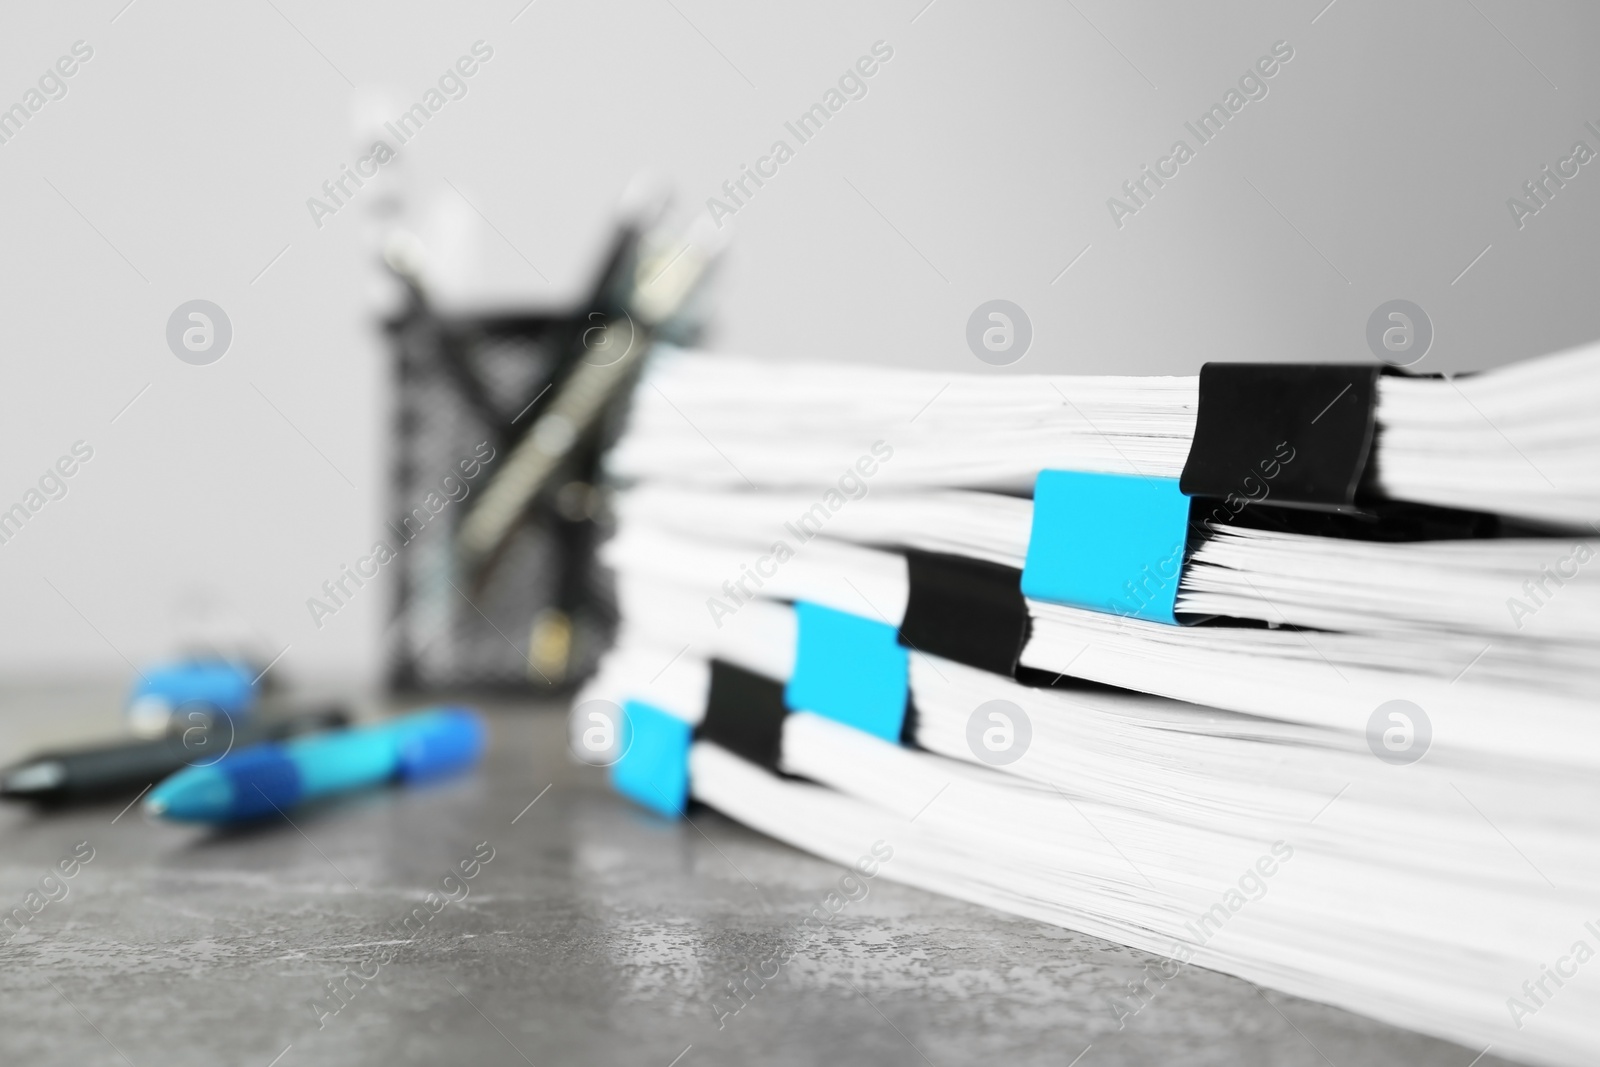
(1288, 671)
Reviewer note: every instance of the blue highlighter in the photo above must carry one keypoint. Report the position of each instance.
(271, 778)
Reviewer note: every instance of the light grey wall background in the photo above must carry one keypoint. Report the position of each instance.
(979, 165)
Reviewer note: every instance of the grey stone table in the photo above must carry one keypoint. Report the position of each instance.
(596, 934)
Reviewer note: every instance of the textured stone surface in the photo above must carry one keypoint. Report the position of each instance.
(596, 935)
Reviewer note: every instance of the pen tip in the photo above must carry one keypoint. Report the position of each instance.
(32, 778)
(195, 794)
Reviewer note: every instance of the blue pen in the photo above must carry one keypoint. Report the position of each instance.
(271, 778)
(218, 686)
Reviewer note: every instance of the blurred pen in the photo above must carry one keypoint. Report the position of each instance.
(270, 778)
(223, 686)
(94, 771)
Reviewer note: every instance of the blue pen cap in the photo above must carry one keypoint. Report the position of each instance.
(438, 742)
(224, 687)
